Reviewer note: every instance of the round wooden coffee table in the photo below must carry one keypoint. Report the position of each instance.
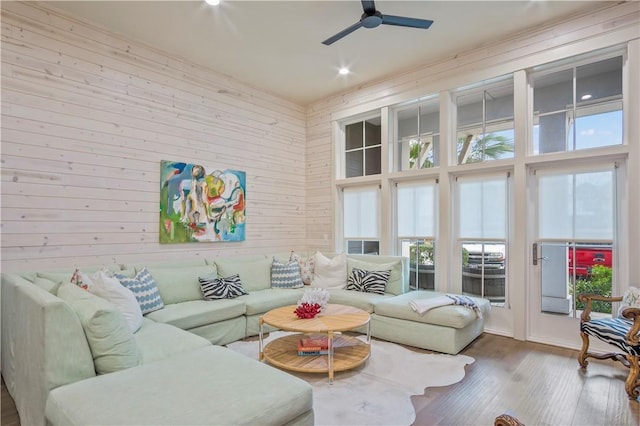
(344, 352)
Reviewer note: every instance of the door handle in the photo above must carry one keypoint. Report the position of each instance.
(536, 259)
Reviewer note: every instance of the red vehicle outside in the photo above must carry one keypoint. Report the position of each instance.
(586, 258)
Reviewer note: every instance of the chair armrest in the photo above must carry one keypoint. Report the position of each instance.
(633, 314)
(589, 298)
(507, 420)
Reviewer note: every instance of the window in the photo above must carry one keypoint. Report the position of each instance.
(418, 135)
(578, 107)
(482, 235)
(485, 123)
(363, 148)
(361, 218)
(416, 229)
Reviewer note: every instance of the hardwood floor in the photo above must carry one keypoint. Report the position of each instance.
(8, 413)
(539, 384)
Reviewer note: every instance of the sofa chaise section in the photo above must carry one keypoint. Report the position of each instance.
(447, 329)
(211, 386)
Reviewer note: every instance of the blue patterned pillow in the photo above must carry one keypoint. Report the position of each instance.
(214, 288)
(145, 289)
(286, 276)
(368, 281)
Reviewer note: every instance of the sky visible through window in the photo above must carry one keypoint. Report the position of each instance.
(593, 131)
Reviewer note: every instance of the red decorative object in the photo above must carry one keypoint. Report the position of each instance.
(307, 310)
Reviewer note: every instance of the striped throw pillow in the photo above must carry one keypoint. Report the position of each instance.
(368, 281)
(214, 288)
(144, 288)
(285, 275)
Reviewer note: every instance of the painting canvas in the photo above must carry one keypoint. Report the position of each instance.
(199, 203)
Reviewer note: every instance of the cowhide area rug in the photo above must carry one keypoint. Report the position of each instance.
(379, 392)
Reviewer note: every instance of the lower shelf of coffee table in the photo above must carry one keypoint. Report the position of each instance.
(350, 352)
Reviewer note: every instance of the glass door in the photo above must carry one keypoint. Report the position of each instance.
(573, 249)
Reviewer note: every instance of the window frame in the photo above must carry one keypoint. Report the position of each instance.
(416, 239)
(482, 88)
(571, 110)
(461, 240)
(363, 118)
(360, 238)
(396, 141)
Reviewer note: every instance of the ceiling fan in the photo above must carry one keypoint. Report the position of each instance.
(372, 18)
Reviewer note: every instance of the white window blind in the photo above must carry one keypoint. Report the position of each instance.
(482, 207)
(361, 212)
(576, 205)
(416, 209)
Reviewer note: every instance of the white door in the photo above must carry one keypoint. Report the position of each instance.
(572, 248)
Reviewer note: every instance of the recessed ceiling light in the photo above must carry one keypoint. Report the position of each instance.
(213, 2)
(343, 71)
(586, 97)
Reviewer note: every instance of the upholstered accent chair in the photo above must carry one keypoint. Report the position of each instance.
(621, 331)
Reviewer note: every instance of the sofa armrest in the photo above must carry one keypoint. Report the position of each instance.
(43, 346)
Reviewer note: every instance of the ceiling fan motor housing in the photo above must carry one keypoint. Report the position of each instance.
(371, 20)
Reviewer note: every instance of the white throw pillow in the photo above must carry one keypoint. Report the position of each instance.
(110, 289)
(330, 273)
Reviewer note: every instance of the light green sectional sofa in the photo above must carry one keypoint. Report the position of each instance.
(182, 373)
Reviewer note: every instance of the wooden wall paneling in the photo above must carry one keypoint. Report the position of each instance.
(144, 85)
(45, 18)
(87, 116)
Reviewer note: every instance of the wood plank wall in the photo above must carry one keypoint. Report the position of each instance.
(614, 21)
(87, 116)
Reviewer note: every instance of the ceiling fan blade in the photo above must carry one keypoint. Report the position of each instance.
(342, 33)
(368, 6)
(403, 21)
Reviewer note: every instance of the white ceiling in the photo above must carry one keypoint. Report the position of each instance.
(276, 45)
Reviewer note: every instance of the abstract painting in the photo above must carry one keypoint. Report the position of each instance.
(199, 203)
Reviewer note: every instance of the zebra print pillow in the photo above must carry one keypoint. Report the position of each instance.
(221, 288)
(368, 281)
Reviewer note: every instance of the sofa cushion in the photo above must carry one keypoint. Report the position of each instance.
(263, 301)
(206, 386)
(285, 275)
(368, 281)
(112, 344)
(158, 341)
(330, 272)
(214, 288)
(179, 284)
(357, 299)
(395, 283)
(448, 316)
(255, 272)
(144, 288)
(196, 313)
(121, 297)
